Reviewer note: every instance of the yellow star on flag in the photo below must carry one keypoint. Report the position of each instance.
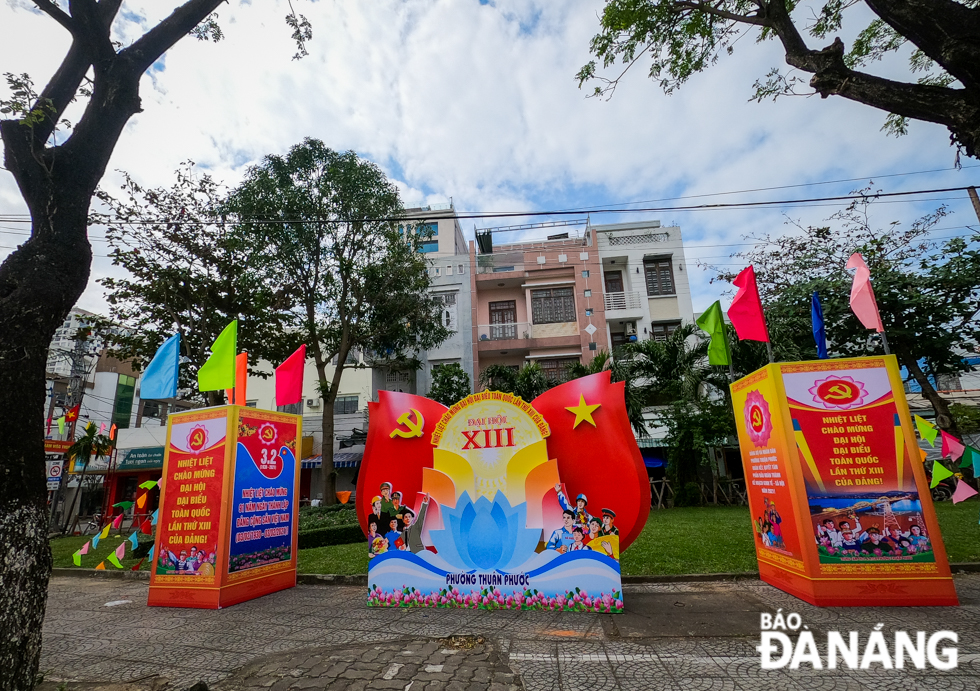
(582, 411)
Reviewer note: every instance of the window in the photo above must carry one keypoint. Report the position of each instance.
(123, 408)
(588, 293)
(503, 318)
(151, 409)
(430, 243)
(345, 405)
(552, 306)
(448, 310)
(660, 276)
(437, 269)
(585, 273)
(292, 408)
(660, 332)
(449, 269)
(460, 272)
(556, 369)
(614, 281)
(251, 404)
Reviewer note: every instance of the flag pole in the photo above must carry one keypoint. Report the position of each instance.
(769, 350)
(884, 342)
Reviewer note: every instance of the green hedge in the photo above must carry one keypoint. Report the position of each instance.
(333, 535)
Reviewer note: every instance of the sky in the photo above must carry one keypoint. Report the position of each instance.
(476, 101)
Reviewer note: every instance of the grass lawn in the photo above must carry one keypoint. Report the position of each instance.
(63, 547)
(674, 541)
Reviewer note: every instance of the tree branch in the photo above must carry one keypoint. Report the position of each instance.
(56, 13)
(756, 20)
(158, 40)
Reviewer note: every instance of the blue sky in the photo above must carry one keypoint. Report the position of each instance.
(477, 102)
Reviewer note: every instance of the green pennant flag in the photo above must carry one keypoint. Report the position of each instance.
(939, 473)
(927, 430)
(149, 484)
(713, 323)
(114, 560)
(968, 455)
(218, 372)
(124, 505)
(77, 558)
(61, 425)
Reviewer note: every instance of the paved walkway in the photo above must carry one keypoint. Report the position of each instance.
(99, 634)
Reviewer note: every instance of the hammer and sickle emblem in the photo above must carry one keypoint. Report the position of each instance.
(839, 391)
(756, 418)
(198, 439)
(414, 430)
(267, 433)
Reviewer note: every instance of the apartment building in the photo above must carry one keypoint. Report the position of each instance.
(538, 302)
(646, 293)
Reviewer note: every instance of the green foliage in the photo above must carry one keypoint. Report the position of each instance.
(928, 292)
(331, 535)
(90, 443)
(688, 494)
(967, 417)
(450, 383)
(346, 559)
(315, 517)
(187, 272)
(528, 382)
(622, 369)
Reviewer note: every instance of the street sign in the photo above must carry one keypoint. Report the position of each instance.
(54, 474)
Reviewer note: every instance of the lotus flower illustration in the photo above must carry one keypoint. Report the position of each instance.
(485, 535)
(758, 418)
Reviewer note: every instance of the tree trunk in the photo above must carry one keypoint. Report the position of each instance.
(944, 419)
(39, 283)
(329, 474)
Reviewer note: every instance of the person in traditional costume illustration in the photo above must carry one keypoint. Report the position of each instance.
(595, 530)
(774, 520)
(918, 538)
(396, 501)
(562, 538)
(394, 534)
(378, 514)
(608, 521)
(582, 516)
(412, 534)
(372, 534)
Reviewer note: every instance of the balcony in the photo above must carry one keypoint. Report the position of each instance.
(499, 262)
(503, 332)
(628, 300)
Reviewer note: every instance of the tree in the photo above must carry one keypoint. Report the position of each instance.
(43, 278)
(86, 445)
(928, 293)
(324, 225)
(450, 383)
(528, 382)
(684, 37)
(187, 272)
(621, 369)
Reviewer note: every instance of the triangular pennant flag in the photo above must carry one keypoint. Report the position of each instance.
(939, 473)
(241, 378)
(863, 302)
(121, 550)
(123, 505)
(138, 564)
(95, 541)
(149, 554)
(114, 560)
(713, 323)
(952, 447)
(219, 370)
(976, 464)
(112, 432)
(146, 527)
(967, 460)
(149, 484)
(84, 549)
(141, 500)
(101, 428)
(134, 540)
(101, 566)
(77, 558)
(159, 381)
(61, 425)
(153, 517)
(923, 455)
(117, 521)
(927, 430)
(105, 532)
(289, 378)
(963, 491)
(745, 312)
(50, 420)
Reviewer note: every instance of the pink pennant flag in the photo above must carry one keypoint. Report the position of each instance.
(289, 378)
(102, 428)
(952, 447)
(863, 302)
(117, 521)
(963, 491)
(121, 550)
(746, 311)
(84, 549)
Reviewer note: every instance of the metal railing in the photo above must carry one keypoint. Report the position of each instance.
(628, 300)
(503, 332)
(499, 261)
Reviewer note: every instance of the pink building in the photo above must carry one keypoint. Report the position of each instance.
(538, 301)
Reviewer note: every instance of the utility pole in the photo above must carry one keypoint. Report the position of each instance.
(976, 200)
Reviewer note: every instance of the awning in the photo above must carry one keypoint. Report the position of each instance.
(340, 460)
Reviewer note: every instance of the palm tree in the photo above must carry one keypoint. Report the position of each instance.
(85, 446)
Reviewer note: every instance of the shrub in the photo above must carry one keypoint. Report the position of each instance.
(332, 535)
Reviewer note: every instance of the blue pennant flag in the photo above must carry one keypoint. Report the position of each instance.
(160, 378)
(150, 554)
(819, 334)
(134, 540)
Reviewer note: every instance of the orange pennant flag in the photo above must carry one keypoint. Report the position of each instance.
(241, 378)
(141, 500)
(101, 566)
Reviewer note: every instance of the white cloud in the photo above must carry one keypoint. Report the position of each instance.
(479, 103)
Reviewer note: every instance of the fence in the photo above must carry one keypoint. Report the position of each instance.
(717, 493)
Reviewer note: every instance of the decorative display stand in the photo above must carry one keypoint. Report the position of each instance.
(226, 531)
(838, 495)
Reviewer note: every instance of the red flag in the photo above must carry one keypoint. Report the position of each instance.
(49, 425)
(138, 565)
(112, 432)
(863, 302)
(289, 378)
(147, 527)
(241, 378)
(72, 413)
(746, 310)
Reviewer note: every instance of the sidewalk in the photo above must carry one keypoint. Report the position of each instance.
(673, 636)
